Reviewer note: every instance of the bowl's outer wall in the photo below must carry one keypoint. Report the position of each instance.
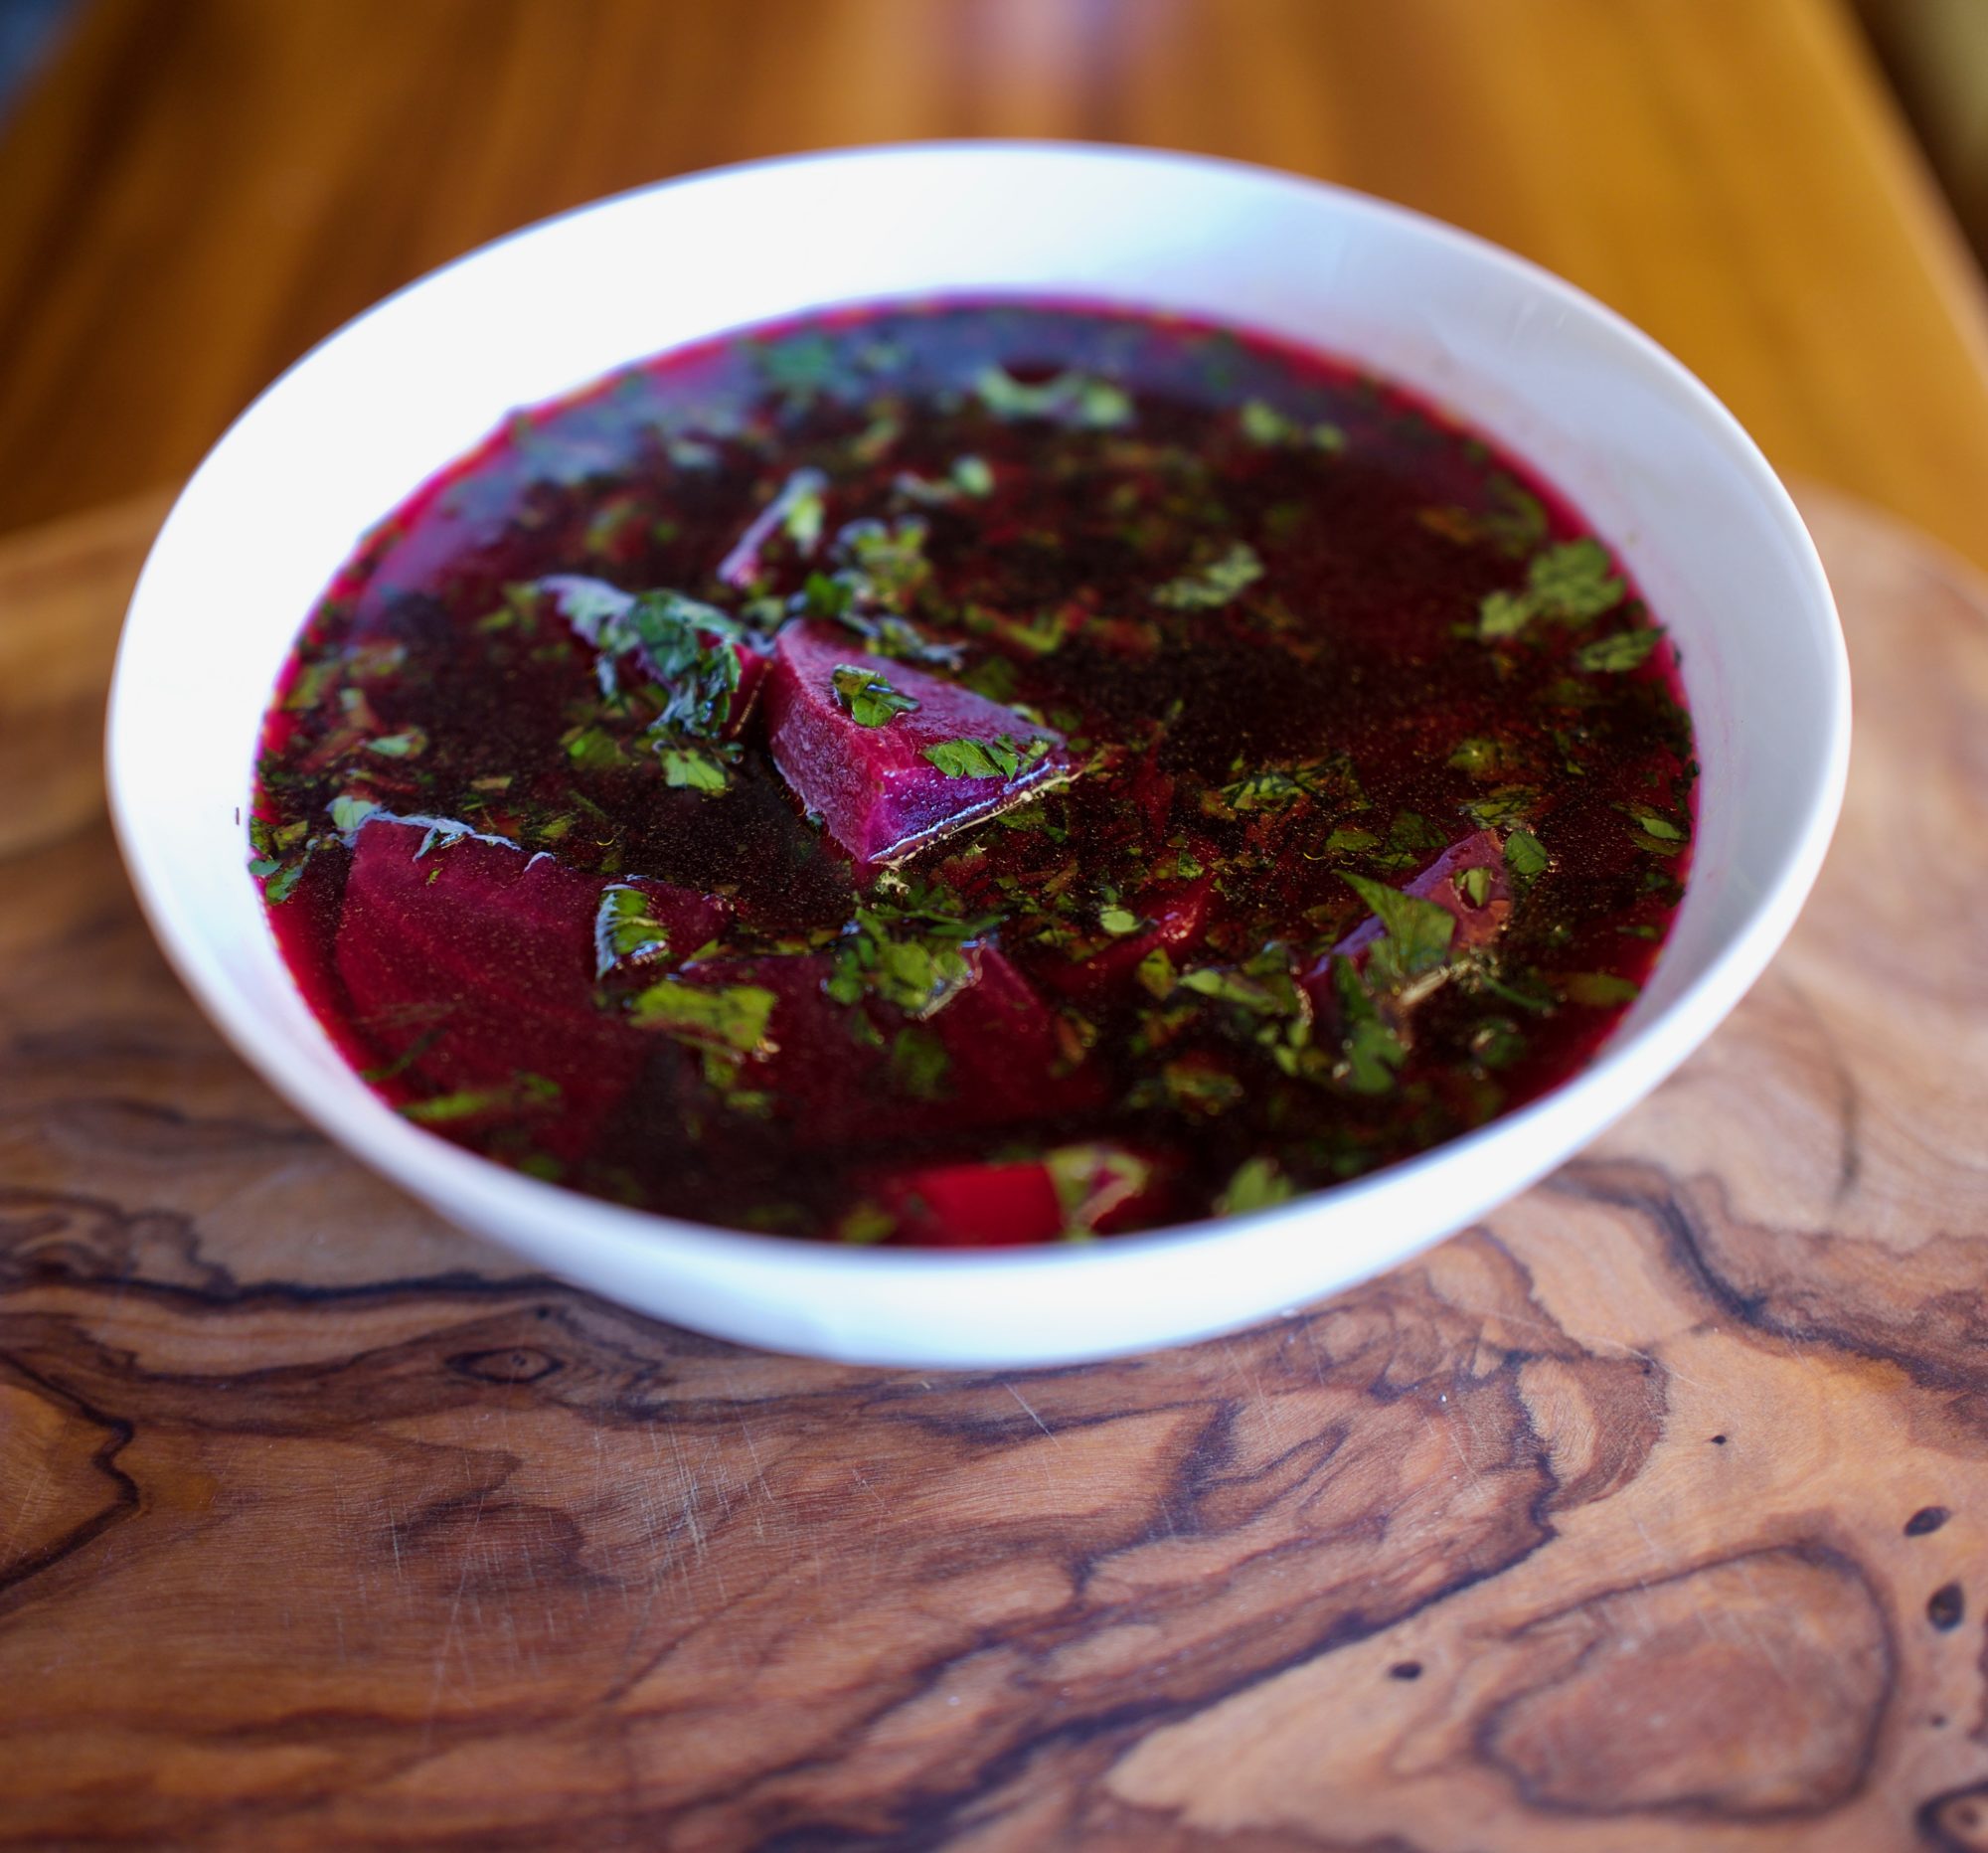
(1648, 455)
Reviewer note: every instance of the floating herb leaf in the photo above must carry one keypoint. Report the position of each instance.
(694, 768)
(1417, 933)
(1000, 758)
(1569, 583)
(1525, 859)
(1257, 1184)
(625, 931)
(1214, 582)
(919, 1064)
(1601, 989)
(1070, 397)
(869, 700)
(730, 1016)
(1271, 787)
(1624, 650)
(1370, 1054)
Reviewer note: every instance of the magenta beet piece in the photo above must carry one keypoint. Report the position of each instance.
(1085, 1189)
(972, 1206)
(884, 788)
(474, 964)
(1178, 912)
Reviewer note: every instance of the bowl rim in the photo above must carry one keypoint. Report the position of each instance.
(1627, 1066)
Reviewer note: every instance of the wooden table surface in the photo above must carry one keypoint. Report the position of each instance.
(1651, 1515)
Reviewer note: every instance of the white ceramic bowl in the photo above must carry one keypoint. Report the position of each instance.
(1652, 459)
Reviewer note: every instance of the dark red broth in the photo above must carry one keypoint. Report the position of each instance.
(974, 773)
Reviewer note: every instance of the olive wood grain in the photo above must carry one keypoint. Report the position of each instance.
(1651, 1514)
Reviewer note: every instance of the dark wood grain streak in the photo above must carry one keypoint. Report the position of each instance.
(322, 1524)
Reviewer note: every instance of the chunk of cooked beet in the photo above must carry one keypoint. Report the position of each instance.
(1071, 1190)
(1178, 914)
(829, 1064)
(874, 787)
(971, 1206)
(473, 964)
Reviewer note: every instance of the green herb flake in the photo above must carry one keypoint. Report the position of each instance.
(1117, 920)
(694, 768)
(732, 1016)
(1500, 809)
(1481, 758)
(1651, 830)
(1574, 581)
(281, 886)
(466, 1103)
(972, 476)
(1257, 1184)
(1569, 583)
(409, 744)
(867, 697)
(1370, 1054)
(1612, 655)
(1214, 582)
(1503, 615)
(1474, 884)
(1071, 398)
(1417, 932)
(1344, 842)
(919, 1064)
(1155, 973)
(1271, 787)
(1526, 858)
(1601, 989)
(866, 1223)
(625, 931)
(1003, 756)
(349, 813)
(595, 750)
(1496, 1043)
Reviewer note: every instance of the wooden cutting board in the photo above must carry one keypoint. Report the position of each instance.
(1651, 1514)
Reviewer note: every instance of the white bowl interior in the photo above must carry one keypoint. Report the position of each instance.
(1642, 450)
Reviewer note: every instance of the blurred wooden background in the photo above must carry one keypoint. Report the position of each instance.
(197, 190)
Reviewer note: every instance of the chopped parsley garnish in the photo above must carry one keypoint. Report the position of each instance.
(1071, 398)
(1003, 756)
(1273, 786)
(918, 1064)
(1570, 583)
(1214, 582)
(724, 1017)
(694, 768)
(1371, 1055)
(1417, 933)
(867, 698)
(1526, 858)
(1600, 988)
(626, 932)
(1257, 1184)
(1625, 649)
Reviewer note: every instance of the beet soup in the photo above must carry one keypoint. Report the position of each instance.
(970, 773)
